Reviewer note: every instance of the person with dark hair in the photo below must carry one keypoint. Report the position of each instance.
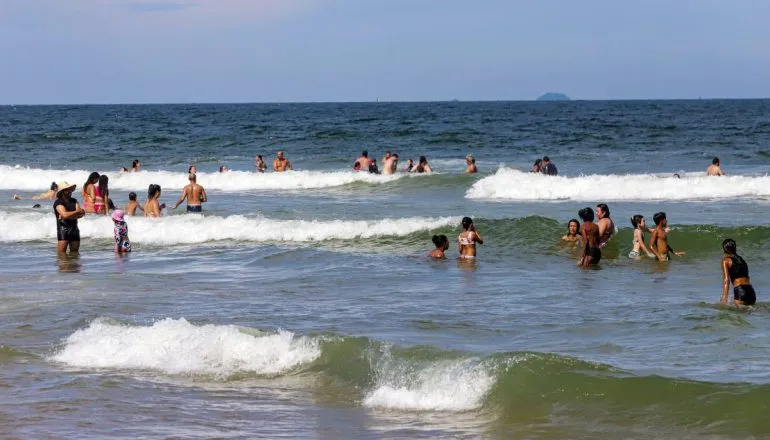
(120, 232)
(135, 166)
(548, 168)
(385, 158)
(605, 224)
(363, 162)
(422, 166)
(639, 225)
(259, 164)
(714, 169)
(390, 165)
(192, 169)
(47, 195)
(589, 233)
(132, 204)
(442, 244)
(89, 190)
(536, 167)
(573, 227)
(152, 206)
(101, 195)
(468, 238)
(67, 212)
(659, 239)
(373, 167)
(223, 169)
(409, 166)
(735, 270)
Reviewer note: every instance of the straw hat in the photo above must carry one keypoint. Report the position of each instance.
(64, 185)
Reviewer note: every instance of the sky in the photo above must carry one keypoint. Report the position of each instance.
(185, 51)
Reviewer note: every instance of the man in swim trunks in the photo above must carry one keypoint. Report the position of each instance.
(281, 163)
(385, 158)
(605, 224)
(67, 212)
(548, 167)
(659, 239)
(195, 195)
(390, 165)
(714, 169)
(364, 163)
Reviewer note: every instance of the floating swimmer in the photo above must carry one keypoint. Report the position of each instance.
(468, 238)
(735, 269)
(573, 226)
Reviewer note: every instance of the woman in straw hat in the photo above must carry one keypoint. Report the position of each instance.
(67, 211)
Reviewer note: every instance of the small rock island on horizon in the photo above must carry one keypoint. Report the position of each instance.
(551, 96)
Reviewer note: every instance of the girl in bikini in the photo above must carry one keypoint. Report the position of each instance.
(101, 193)
(89, 190)
(639, 225)
(468, 238)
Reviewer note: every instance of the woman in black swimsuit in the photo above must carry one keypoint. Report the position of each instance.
(589, 232)
(735, 269)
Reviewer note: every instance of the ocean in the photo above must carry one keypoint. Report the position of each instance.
(302, 305)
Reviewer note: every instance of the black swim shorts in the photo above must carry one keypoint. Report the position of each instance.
(745, 293)
(198, 208)
(68, 233)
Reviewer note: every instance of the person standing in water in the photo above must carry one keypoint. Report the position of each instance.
(714, 169)
(409, 166)
(89, 192)
(120, 231)
(442, 244)
(385, 158)
(639, 225)
(589, 233)
(101, 195)
(573, 227)
(422, 166)
(659, 239)
(259, 164)
(390, 166)
(605, 224)
(547, 167)
(735, 270)
(363, 162)
(281, 164)
(152, 206)
(468, 238)
(67, 212)
(195, 195)
(132, 204)
(136, 166)
(470, 164)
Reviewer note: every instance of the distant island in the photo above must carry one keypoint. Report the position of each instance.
(550, 96)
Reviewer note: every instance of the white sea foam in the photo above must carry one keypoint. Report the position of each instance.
(193, 228)
(174, 346)
(37, 180)
(510, 184)
(442, 386)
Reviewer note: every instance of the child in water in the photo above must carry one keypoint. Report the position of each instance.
(639, 225)
(122, 244)
(442, 244)
(573, 226)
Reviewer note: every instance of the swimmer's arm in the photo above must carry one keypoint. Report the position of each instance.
(653, 246)
(478, 238)
(642, 246)
(725, 280)
(64, 214)
(602, 227)
(181, 198)
(204, 197)
(288, 166)
(428, 169)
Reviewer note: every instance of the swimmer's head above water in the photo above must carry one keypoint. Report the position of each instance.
(729, 246)
(637, 221)
(586, 214)
(659, 219)
(573, 226)
(441, 242)
(467, 223)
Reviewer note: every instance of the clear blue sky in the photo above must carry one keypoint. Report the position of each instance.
(120, 51)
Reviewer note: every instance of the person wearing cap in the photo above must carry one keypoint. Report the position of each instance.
(195, 195)
(67, 211)
(470, 163)
(122, 243)
(547, 167)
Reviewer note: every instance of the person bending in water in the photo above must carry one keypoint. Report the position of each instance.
(195, 195)
(735, 269)
(468, 238)
(605, 224)
(442, 244)
(589, 234)
(281, 163)
(48, 195)
(659, 239)
(122, 243)
(132, 204)
(573, 226)
(639, 225)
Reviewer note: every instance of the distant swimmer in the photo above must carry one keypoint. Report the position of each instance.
(468, 238)
(223, 169)
(547, 167)
(89, 192)
(442, 244)
(281, 163)
(48, 195)
(259, 164)
(152, 206)
(735, 269)
(195, 195)
(120, 231)
(573, 229)
(714, 169)
(123, 169)
(639, 225)
(385, 158)
(363, 162)
(470, 164)
(192, 169)
(605, 224)
(536, 166)
(136, 166)
(589, 233)
(422, 166)
(101, 195)
(390, 165)
(132, 204)
(373, 167)
(409, 166)
(659, 239)
(67, 212)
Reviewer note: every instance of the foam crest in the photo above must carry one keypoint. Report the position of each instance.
(174, 346)
(192, 229)
(510, 184)
(38, 180)
(448, 385)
